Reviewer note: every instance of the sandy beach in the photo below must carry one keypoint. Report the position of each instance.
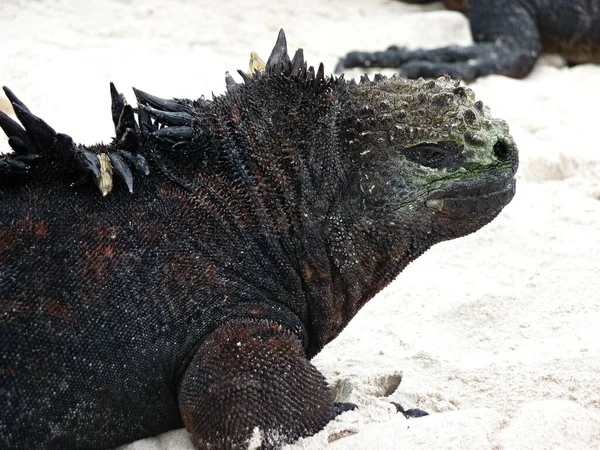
(497, 335)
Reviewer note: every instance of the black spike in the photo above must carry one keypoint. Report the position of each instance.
(90, 165)
(42, 134)
(304, 71)
(143, 98)
(13, 129)
(135, 160)
(229, 81)
(84, 161)
(297, 62)
(13, 166)
(175, 134)
(64, 147)
(125, 122)
(279, 61)
(321, 72)
(117, 104)
(169, 118)
(364, 79)
(19, 146)
(5, 166)
(29, 158)
(145, 121)
(14, 99)
(244, 76)
(121, 168)
(180, 144)
(310, 75)
(129, 141)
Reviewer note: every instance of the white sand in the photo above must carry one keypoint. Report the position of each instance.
(497, 333)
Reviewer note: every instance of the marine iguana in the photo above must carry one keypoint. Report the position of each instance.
(268, 216)
(509, 37)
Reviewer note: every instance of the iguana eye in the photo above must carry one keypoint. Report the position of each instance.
(441, 155)
(431, 153)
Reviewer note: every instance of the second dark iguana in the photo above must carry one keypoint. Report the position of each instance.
(509, 37)
(197, 296)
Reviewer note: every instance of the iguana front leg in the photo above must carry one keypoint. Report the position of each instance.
(248, 378)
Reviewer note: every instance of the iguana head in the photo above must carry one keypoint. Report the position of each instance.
(428, 153)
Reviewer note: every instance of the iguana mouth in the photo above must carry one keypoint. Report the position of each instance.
(472, 198)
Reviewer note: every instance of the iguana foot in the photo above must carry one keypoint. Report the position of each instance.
(251, 379)
(342, 407)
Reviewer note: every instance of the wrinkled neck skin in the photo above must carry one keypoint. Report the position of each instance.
(366, 254)
(369, 238)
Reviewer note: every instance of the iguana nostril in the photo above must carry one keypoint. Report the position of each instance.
(501, 149)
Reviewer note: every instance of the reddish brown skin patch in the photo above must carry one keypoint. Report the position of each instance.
(210, 274)
(97, 267)
(7, 242)
(109, 251)
(308, 272)
(40, 230)
(56, 309)
(22, 229)
(170, 191)
(101, 256)
(259, 310)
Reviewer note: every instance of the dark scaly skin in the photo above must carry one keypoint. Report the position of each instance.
(509, 37)
(197, 297)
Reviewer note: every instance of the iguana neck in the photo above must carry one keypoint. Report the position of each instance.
(359, 257)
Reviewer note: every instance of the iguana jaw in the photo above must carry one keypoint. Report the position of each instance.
(469, 198)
